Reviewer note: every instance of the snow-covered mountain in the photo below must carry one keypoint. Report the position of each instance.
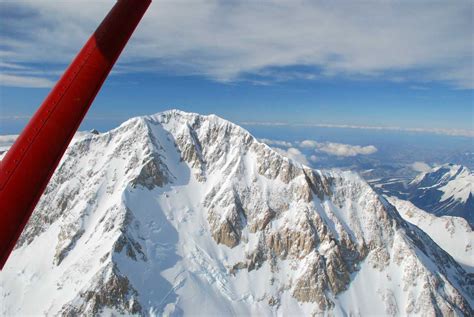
(6, 141)
(445, 190)
(178, 213)
(453, 234)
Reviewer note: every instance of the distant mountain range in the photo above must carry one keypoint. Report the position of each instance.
(182, 214)
(444, 190)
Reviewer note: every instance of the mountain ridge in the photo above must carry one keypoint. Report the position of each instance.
(173, 210)
(453, 234)
(445, 190)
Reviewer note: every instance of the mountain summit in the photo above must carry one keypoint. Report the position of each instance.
(178, 213)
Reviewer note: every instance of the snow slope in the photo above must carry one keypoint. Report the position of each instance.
(453, 234)
(183, 214)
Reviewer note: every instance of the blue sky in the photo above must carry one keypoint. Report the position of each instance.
(385, 64)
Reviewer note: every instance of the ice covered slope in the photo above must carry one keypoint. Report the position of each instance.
(178, 213)
(453, 234)
(445, 190)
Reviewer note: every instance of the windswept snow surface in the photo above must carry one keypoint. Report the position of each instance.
(182, 214)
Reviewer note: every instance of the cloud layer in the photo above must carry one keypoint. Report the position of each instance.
(420, 167)
(449, 132)
(290, 149)
(338, 149)
(276, 143)
(232, 40)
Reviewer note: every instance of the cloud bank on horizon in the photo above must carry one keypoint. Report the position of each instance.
(260, 41)
(442, 131)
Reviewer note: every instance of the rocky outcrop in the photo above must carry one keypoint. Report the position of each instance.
(152, 174)
(111, 290)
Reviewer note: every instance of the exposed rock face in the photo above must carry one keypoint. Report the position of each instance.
(112, 290)
(176, 210)
(152, 174)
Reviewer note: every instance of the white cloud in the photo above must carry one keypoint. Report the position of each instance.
(276, 143)
(286, 148)
(16, 75)
(227, 40)
(339, 149)
(308, 144)
(420, 167)
(294, 154)
(10, 80)
(331, 148)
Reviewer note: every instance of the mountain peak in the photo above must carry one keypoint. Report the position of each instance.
(176, 209)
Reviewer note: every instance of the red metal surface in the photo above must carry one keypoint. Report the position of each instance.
(29, 164)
